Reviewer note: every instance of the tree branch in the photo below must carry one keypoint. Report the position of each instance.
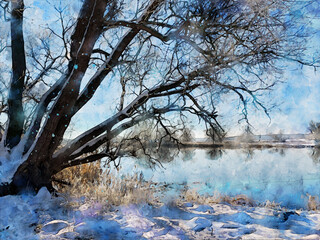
(95, 81)
(87, 159)
(33, 130)
(127, 112)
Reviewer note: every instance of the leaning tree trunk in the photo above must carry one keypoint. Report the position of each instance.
(40, 143)
(33, 177)
(38, 169)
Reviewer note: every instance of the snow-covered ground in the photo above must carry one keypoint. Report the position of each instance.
(47, 217)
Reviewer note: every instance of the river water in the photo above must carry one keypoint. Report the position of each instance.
(285, 176)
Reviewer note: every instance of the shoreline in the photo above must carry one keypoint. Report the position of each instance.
(239, 145)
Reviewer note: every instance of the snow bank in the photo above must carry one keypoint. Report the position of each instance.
(46, 217)
(23, 216)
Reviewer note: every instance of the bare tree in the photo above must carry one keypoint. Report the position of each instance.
(166, 56)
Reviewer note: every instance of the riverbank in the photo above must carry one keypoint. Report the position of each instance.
(244, 145)
(256, 141)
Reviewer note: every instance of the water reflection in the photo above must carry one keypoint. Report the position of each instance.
(187, 154)
(151, 157)
(285, 176)
(214, 154)
(249, 153)
(281, 151)
(315, 155)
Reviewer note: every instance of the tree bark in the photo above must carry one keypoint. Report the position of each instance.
(15, 108)
(32, 177)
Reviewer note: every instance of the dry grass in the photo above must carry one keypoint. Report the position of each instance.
(313, 203)
(273, 205)
(191, 195)
(89, 182)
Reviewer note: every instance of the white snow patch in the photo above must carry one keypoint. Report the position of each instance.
(9, 163)
(45, 217)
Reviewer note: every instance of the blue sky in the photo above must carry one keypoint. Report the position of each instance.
(297, 103)
(297, 98)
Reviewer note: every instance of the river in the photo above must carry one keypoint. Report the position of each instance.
(285, 176)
